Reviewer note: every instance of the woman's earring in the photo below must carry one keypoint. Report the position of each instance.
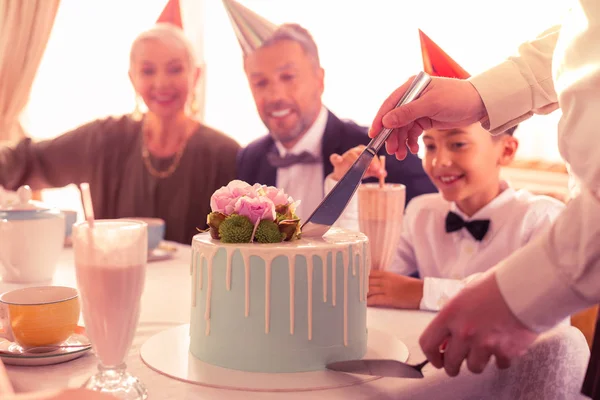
(137, 113)
(194, 108)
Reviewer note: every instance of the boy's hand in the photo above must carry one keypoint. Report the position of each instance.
(342, 163)
(387, 289)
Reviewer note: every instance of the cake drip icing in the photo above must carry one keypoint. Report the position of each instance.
(205, 248)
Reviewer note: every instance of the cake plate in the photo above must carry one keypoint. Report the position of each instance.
(167, 352)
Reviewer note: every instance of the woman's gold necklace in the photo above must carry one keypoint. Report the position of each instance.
(148, 162)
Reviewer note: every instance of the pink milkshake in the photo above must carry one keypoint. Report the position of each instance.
(110, 262)
(380, 212)
(111, 307)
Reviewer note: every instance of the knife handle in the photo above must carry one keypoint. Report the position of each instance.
(414, 90)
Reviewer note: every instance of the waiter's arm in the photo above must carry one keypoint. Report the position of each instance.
(560, 273)
(520, 86)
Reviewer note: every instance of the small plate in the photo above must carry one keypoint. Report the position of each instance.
(13, 354)
(164, 251)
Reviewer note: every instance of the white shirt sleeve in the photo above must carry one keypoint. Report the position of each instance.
(520, 86)
(437, 291)
(559, 273)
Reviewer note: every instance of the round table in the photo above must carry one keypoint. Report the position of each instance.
(552, 369)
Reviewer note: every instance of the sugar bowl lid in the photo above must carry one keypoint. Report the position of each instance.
(22, 207)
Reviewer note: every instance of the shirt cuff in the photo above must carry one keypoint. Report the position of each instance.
(533, 289)
(437, 292)
(506, 95)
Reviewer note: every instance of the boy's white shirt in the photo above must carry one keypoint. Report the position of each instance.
(448, 261)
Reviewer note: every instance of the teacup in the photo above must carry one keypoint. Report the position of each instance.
(39, 316)
(156, 231)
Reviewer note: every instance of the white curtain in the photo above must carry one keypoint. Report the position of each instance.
(25, 27)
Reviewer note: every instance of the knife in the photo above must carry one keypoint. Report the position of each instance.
(386, 368)
(338, 198)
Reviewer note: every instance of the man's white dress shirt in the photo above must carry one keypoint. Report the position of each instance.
(304, 182)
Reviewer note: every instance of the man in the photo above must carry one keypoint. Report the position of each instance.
(559, 273)
(287, 82)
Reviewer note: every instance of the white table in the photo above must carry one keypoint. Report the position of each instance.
(553, 369)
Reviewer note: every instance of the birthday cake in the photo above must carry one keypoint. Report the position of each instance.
(264, 299)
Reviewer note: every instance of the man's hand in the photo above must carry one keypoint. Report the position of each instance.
(341, 164)
(446, 103)
(476, 324)
(387, 289)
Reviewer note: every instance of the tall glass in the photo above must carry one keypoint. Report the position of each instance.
(380, 212)
(110, 263)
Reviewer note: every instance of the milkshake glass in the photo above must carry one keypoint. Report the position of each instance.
(380, 211)
(110, 264)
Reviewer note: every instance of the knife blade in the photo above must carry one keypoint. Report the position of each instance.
(332, 206)
(376, 367)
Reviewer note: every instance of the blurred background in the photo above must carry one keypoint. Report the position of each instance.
(367, 49)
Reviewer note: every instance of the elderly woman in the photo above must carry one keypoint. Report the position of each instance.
(164, 164)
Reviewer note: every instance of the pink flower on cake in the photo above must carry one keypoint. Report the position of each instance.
(223, 200)
(240, 188)
(277, 196)
(259, 189)
(255, 208)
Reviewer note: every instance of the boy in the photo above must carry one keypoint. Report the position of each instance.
(474, 221)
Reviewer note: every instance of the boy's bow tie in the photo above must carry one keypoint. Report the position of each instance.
(477, 228)
(291, 159)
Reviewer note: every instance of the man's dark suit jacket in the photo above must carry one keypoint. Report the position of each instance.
(339, 137)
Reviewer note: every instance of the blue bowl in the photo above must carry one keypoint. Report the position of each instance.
(156, 231)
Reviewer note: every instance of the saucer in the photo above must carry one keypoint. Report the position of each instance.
(164, 251)
(13, 354)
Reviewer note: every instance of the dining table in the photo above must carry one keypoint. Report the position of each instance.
(553, 368)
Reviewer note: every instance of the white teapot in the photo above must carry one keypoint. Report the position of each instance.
(31, 239)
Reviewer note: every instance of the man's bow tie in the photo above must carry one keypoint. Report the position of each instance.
(477, 228)
(291, 159)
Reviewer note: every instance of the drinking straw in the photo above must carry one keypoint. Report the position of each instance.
(88, 208)
(382, 178)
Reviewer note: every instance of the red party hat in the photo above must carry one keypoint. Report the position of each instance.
(437, 63)
(171, 14)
